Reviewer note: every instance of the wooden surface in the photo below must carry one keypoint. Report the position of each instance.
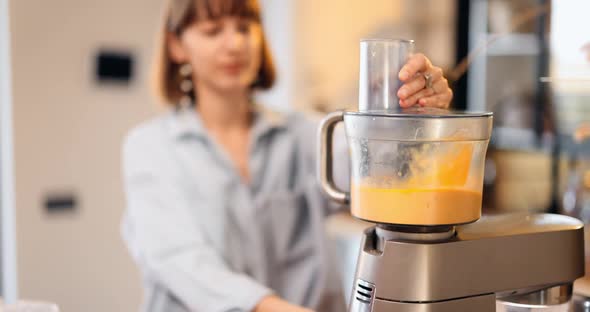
(523, 181)
(582, 285)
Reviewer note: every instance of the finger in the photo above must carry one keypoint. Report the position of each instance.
(417, 63)
(438, 100)
(441, 100)
(411, 87)
(418, 83)
(413, 99)
(440, 86)
(437, 74)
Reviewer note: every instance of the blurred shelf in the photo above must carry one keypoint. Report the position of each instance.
(512, 44)
(509, 138)
(570, 147)
(513, 138)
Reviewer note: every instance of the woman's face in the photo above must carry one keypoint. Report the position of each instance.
(225, 53)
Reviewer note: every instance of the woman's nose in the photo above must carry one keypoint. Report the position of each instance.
(235, 40)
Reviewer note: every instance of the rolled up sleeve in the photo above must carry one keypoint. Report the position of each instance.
(168, 244)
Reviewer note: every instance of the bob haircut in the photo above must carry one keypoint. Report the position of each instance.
(178, 15)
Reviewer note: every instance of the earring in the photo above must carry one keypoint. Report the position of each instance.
(186, 84)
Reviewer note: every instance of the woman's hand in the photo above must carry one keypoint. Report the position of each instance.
(276, 304)
(418, 90)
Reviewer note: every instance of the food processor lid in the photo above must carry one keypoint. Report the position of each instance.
(421, 112)
(418, 124)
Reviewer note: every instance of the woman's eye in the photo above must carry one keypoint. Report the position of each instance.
(211, 29)
(244, 27)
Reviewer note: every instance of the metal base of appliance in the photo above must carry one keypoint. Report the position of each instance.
(510, 256)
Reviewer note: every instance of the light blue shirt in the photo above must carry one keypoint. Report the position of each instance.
(204, 240)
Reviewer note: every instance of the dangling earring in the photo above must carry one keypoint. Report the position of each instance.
(186, 84)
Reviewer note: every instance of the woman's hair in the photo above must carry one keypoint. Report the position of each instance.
(178, 15)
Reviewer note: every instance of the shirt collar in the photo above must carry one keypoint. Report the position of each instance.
(187, 122)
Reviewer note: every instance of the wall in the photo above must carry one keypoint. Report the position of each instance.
(278, 26)
(68, 133)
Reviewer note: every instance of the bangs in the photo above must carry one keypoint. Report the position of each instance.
(184, 12)
(216, 9)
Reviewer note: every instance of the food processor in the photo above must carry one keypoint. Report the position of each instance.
(417, 174)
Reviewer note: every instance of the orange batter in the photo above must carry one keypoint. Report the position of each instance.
(416, 206)
(436, 192)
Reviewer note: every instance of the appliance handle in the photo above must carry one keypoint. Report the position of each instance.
(325, 160)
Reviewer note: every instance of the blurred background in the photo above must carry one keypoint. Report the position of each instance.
(80, 80)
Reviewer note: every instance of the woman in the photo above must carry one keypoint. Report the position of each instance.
(224, 213)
